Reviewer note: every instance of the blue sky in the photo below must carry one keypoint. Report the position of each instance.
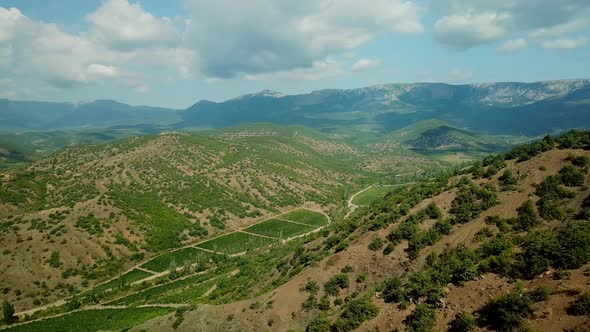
(176, 52)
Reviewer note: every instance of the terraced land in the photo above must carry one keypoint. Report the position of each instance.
(172, 290)
(307, 217)
(280, 228)
(94, 320)
(237, 242)
(180, 257)
(129, 277)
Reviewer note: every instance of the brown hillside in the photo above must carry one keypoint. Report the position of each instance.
(286, 312)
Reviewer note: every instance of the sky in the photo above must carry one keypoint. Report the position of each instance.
(174, 53)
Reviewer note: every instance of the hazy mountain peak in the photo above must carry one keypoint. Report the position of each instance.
(264, 93)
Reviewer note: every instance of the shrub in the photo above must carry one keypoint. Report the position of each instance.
(392, 290)
(506, 312)
(471, 201)
(376, 244)
(324, 303)
(539, 251)
(527, 216)
(540, 294)
(507, 180)
(574, 241)
(311, 287)
(463, 322)
(571, 176)
(355, 313)
(580, 161)
(388, 249)
(581, 306)
(8, 312)
(54, 260)
(335, 284)
(422, 319)
(319, 323)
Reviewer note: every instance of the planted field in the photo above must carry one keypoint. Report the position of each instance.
(235, 243)
(129, 277)
(162, 262)
(373, 194)
(308, 217)
(279, 228)
(155, 294)
(185, 295)
(94, 320)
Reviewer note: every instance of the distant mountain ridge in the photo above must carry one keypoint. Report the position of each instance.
(506, 108)
(486, 107)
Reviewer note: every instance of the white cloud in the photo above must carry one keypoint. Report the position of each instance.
(365, 64)
(463, 30)
(565, 43)
(102, 70)
(512, 45)
(124, 44)
(264, 36)
(120, 24)
(463, 24)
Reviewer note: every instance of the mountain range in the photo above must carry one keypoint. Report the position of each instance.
(498, 108)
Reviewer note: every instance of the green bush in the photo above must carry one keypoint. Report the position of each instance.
(393, 290)
(574, 241)
(505, 313)
(571, 176)
(355, 313)
(527, 216)
(335, 284)
(471, 201)
(463, 322)
(581, 306)
(319, 323)
(539, 252)
(580, 161)
(376, 244)
(7, 312)
(540, 294)
(422, 319)
(507, 180)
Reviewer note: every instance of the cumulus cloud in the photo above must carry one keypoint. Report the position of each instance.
(465, 29)
(365, 64)
(512, 45)
(120, 24)
(121, 42)
(464, 24)
(224, 39)
(565, 43)
(265, 36)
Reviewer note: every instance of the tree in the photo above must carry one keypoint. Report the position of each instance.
(422, 319)
(507, 180)
(571, 176)
(527, 216)
(463, 322)
(506, 312)
(8, 312)
(574, 240)
(539, 251)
